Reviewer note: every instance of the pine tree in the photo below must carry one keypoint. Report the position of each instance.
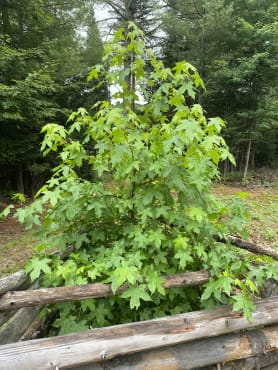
(233, 43)
(40, 80)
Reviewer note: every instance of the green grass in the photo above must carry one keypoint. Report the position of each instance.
(15, 251)
(263, 224)
(262, 206)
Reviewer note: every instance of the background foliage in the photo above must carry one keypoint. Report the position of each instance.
(234, 45)
(44, 62)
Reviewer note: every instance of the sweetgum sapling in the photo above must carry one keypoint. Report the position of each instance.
(150, 211)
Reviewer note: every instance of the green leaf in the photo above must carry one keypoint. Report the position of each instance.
(135, 294)
(19, 197)
(243, 302)
(122, 274)
(38, 265)
(181, 242)
(154, 282)
(196, 213)
(184, 257)
(208, 292)
(80, 239)
(71, 324)
(6, 211)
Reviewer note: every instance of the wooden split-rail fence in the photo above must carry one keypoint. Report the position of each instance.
(209, 339)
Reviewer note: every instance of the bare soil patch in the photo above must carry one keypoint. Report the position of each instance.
(16, 244)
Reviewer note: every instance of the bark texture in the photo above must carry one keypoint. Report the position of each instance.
(99, 345)
(254, 248)
(18, 299)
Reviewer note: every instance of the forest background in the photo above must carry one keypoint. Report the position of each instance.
(48, 47)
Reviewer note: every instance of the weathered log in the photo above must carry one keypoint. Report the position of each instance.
(270, 359)
(34, 331)
(253, 363)
(40, 327)
(254, 248)
(272, 367)
(192, 355)
(17, 299)
(106, 343)
(13, 329)
(18, 321)
(269, 288)
(13, 281)
(5, 316)
(263, 361)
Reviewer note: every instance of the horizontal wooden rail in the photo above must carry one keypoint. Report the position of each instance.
(106, 343)
(204, 352)
(38, 297)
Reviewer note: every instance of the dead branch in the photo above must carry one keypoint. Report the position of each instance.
(254, 248)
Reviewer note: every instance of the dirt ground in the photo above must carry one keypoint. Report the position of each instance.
(16, 244)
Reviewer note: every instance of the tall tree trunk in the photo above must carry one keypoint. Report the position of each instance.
(130, 79)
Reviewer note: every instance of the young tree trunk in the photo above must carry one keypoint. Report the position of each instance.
(130, 79)
(247, 157)
(248, 153)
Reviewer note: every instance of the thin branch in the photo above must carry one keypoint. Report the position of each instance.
(197, 10)
(119, 10)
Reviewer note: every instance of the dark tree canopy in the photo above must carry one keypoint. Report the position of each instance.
(44, 63)
(234, 45)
